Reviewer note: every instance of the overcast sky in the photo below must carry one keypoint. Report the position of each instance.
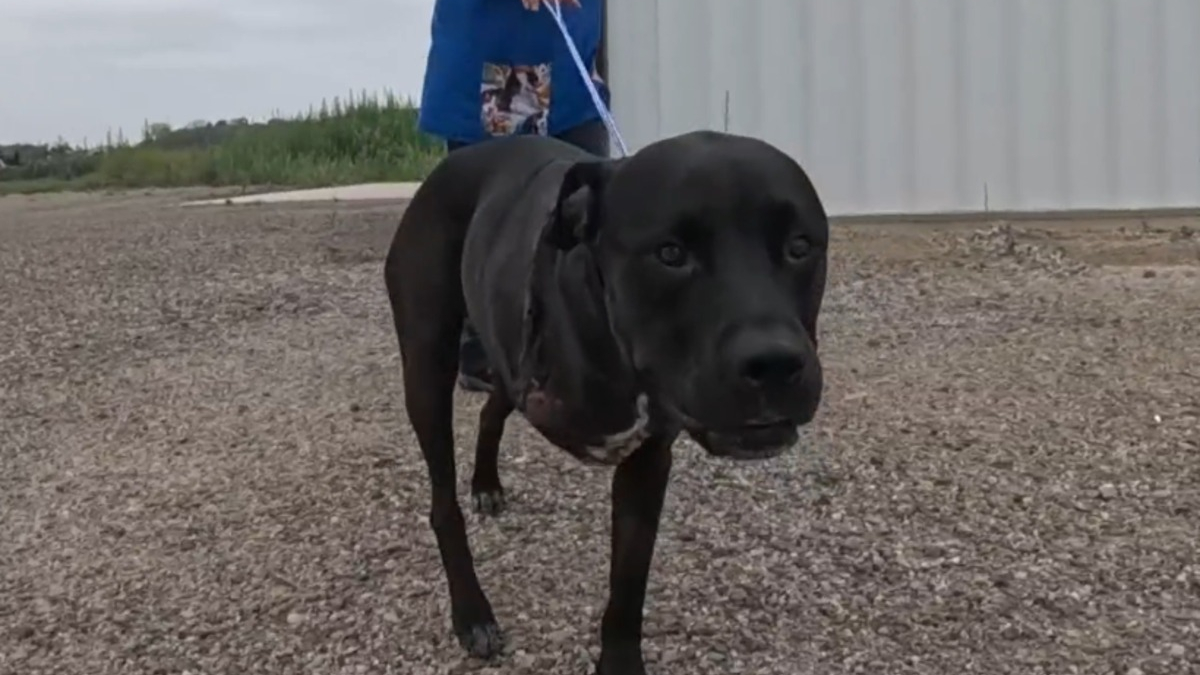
(77, 68)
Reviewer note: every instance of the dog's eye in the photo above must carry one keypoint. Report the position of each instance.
(797, 248)
(671, 255)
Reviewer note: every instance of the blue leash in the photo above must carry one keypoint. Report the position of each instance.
(555, 10)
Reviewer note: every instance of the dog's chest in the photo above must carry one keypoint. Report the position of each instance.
(580, 431)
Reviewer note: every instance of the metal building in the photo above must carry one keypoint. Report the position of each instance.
(920, 106)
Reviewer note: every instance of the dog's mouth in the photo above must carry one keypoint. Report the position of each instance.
(752, 441)
(764, 437)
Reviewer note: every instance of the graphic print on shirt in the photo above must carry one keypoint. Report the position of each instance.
(515, 99)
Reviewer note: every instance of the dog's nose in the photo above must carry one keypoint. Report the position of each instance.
(771, 365)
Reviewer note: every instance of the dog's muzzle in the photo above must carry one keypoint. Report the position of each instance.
(754, 441)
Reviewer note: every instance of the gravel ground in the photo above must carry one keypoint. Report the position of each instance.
(206, 468)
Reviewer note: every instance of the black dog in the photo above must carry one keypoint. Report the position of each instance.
(621, 303)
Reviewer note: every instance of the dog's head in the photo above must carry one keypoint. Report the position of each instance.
(711, 249)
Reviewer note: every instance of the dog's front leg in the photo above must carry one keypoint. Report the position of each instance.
(639, 486)
(429, 367)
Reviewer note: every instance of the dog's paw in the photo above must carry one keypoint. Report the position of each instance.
(482, 640)
(476, 629)
(488, 502)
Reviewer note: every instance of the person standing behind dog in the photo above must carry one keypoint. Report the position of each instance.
(499, 68)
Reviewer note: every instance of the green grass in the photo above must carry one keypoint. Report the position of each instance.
(364, 139)
(35, 186)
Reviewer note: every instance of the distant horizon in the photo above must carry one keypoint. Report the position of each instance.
(136, 135)
(274, 114)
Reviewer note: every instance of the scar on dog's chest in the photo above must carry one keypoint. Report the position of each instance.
(550, 416)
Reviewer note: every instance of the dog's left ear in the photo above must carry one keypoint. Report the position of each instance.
(577, 214)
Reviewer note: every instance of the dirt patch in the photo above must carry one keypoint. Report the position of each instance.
(1003, 242)
(206, 468)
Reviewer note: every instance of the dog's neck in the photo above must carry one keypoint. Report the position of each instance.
(572, 353)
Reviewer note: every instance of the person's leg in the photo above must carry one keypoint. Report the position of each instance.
(590, 136)
(473, 371)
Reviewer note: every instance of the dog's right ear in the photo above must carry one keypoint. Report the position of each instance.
(577, 213)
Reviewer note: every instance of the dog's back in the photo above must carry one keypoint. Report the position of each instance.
(429, 240)
(455, 186)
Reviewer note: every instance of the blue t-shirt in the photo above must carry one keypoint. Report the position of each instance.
(496, 68)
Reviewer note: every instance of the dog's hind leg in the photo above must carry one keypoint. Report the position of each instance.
(487, 494)
(425, 292)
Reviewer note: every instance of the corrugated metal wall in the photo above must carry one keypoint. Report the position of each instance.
(904, 106)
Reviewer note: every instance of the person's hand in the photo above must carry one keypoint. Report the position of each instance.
(535, 5)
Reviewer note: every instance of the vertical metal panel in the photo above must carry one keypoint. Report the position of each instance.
(1181, 78)
(1091, 158)
(930, 105)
